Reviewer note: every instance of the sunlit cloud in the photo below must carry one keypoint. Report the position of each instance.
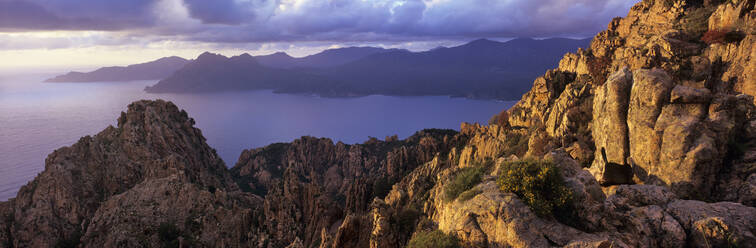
(295, 26)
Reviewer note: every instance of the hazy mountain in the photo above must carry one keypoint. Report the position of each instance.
(327, 58)
(215, 72)
(157, 69)
(478, 69)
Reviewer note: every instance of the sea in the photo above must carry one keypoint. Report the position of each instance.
(37, 117)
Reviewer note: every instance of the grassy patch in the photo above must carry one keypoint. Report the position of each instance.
(467, 195)
(540, 185)
(433, 239)
(696, 22)
(516, 144)
(465, 179)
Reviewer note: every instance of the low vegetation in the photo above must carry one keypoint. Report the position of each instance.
(540, 185)
(465, 179)
(381, 187)
(501, 119)
(720, 36)
(696, 23)
(433, 239)
(516, 144)
(406, 219)
(598, 69)
(467, 195)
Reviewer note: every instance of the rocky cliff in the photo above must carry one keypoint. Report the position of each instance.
(666, 92)
(153, 181)
(150, 181)
(655, 91)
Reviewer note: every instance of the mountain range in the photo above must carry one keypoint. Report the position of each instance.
(478, 69)
(152, 70)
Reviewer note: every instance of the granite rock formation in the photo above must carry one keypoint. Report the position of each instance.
(118, 187)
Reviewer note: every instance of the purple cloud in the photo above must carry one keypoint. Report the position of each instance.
(245, 21)
(218, 12)
(24, 15)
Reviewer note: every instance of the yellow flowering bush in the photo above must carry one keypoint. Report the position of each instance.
(540, 185)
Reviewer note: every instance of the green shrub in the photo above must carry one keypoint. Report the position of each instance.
(516, 144)
(465, 179)
(467, 195)
(406, 220)
(433, 239)
(696, 23)
(540, 185)
(381, 187)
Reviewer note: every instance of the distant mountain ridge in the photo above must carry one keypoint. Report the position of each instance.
(326, 58)
(157, 69)
(479, 69)
(212, 72)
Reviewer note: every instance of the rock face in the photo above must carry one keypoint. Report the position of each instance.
(118, 187)
(312, 184)
(610, 127)
(672, 105)
(153, 181)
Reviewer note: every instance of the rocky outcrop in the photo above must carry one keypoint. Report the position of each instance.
(153, 181)
(653, 95)
(625, 216)
(312, 184)
(663, 130)
(118, 187)
(671, 104)
(610, 121)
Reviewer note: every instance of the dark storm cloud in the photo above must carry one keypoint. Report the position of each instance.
(229, 21)
(218, 12)
(24, 15)
(357, 20)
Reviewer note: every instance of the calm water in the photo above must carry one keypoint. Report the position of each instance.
(36, 118)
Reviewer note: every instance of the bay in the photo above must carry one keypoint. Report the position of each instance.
(36, 118)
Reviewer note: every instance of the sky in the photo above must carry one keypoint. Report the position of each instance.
(91, 33)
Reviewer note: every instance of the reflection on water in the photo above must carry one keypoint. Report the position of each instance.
(36, 118)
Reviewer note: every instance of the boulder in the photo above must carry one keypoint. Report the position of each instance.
(722, 224)
(686, 94)
(610, 130)
(650, 92)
